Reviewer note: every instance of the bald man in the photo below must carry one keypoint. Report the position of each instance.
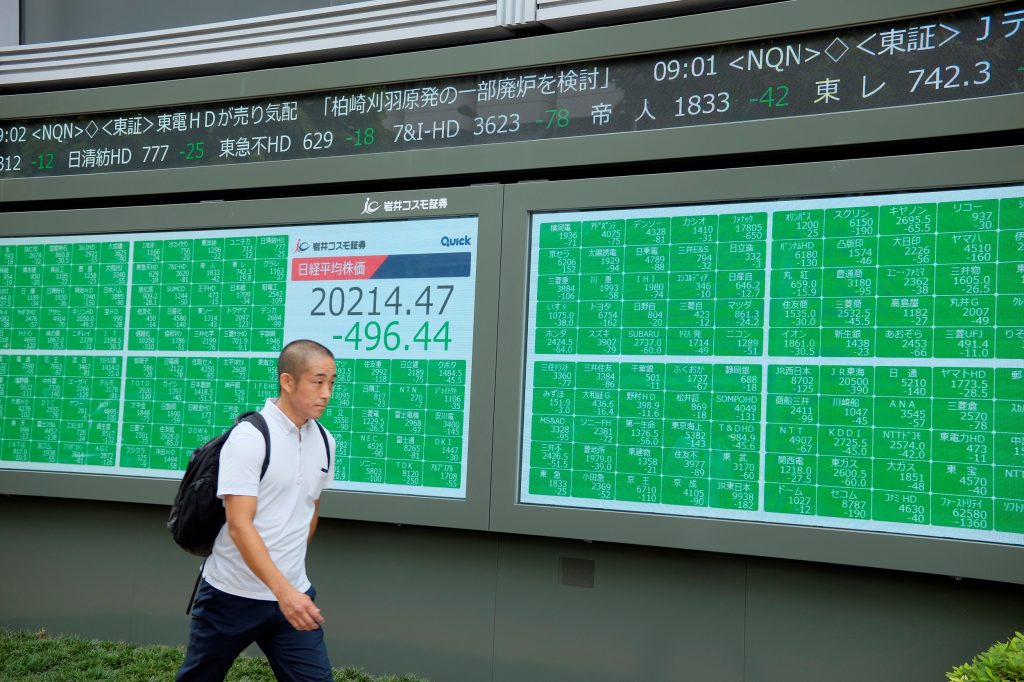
(255, 587)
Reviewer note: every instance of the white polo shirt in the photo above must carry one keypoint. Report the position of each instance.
(299, 469)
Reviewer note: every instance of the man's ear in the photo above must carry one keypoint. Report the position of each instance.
(287, 382)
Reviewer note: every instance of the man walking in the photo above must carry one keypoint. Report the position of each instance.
(254, 585)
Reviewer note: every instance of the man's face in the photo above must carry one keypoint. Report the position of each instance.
(310, 392)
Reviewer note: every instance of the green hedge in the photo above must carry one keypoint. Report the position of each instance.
(1002, 662)
(38, 657)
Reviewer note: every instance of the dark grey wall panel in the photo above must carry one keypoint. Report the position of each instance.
(93, 568)
(463, 606)
(406, 599)
(820, 623)
(396, 599)
(649, 616)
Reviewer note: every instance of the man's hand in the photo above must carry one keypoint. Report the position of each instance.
(299, 609)
(296, 606)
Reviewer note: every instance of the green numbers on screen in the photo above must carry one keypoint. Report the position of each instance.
(59, 409)
(128, 354)
(63, 297)
(399, 422)
(156, 295)
(851, 363)
(209, 295)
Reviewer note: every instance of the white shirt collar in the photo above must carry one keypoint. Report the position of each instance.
(281, 418)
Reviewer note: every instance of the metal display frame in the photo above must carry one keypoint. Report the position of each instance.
(947, 170)
(483, 201)
(915, 122)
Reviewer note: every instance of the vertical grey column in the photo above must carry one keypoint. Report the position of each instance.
(513, 12)
(10, 27)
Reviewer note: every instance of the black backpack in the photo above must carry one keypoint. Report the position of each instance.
(197, 513)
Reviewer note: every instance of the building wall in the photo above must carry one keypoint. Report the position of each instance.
(83, 42)
(49, 21)
(461, 606)
(472, 606)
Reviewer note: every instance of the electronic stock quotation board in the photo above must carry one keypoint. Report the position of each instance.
(693, 361)
(120, 353)
(968, 54)
(852, 362)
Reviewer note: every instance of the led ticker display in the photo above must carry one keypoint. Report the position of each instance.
(119, 355)
(848, 362)
(969, 54)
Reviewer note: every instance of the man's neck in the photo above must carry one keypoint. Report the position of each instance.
(288, 411)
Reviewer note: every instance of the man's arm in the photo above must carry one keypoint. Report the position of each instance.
(296, 606)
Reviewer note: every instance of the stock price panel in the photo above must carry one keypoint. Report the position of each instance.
(970, 54)
(844, 362)
(119, 354)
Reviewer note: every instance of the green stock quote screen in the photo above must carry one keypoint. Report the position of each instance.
(846, 362)
(121, 353)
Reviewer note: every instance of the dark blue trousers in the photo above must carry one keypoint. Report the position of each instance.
(223, 625)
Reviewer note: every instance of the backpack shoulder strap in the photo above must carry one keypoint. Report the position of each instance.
(327, 444)
(257, 420)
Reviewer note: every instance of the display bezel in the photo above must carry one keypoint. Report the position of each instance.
(937, 120)
(950, 170)
(482, 203)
